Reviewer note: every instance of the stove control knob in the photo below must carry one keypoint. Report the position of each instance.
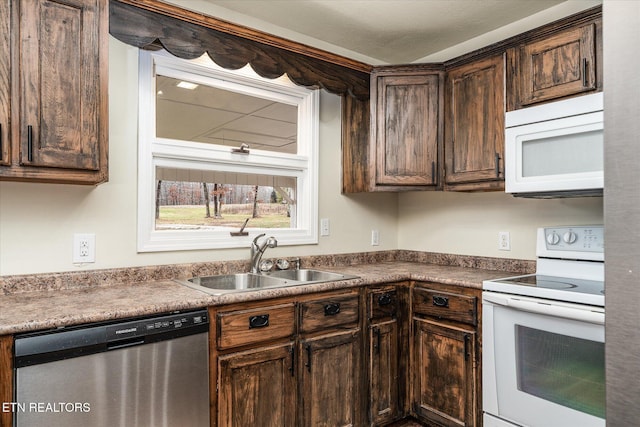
(569, 237)
(553, 238)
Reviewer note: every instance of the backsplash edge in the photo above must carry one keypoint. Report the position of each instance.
(131, 275)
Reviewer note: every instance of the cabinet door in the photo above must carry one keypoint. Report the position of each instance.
(6, 377)
(5, 80)
(384, 404)
(257, 388)
(558, 66)
(330, 380)
(60, 103)
(443, 373)
(474, 143)
(407, 130)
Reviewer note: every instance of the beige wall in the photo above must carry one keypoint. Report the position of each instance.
(37, 221)
(468, 223)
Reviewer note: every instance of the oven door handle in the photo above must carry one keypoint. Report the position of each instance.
(585, 314)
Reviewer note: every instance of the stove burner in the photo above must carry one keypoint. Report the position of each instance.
(542, 282)
(552, 284)
(551, 287)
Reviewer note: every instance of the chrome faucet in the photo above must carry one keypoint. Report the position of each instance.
(258, 249)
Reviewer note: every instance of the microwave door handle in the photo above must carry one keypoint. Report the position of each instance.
(579, 314)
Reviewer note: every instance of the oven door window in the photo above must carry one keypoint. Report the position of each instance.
(549, 371)
(562, 369)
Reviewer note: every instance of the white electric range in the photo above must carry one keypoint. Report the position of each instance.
(543, 335)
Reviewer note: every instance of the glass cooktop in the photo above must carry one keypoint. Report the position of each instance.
(551, 287)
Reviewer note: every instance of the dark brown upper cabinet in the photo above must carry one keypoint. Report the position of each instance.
(5, 81)
(406, 128)
(58, 91)
(558, 65)
(474, 127)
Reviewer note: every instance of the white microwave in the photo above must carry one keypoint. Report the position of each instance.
(556, 149)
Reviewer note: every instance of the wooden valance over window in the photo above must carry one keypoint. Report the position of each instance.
(149, 24)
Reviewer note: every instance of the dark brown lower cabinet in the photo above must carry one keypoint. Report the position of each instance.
(6, 378)
(444, 380)
(288, 362)
(387, 355)
(445, 353)
(362, 357)
(258, 387)
(329, 380)
(384, 382)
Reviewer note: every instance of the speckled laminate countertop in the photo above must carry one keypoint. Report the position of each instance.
(56, 307)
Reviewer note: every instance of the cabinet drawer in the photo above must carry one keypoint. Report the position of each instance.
(341, 310)
(242, 327)
(445, 305)
(383, 303)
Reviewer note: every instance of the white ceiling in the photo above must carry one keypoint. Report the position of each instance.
(387, 31)
(373, 31)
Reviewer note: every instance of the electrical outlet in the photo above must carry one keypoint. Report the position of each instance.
(504, 241)
(84, 248)
(375, 238)
(324, 227)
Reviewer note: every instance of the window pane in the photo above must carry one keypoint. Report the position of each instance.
(194, 112)
(565, 370)
(214, 200)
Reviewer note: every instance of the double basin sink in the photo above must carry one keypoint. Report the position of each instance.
(228, 283)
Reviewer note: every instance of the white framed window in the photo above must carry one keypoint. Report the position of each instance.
(230, 140)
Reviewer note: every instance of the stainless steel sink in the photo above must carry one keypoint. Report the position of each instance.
(314, 276)
(240, 282)
(236, 282)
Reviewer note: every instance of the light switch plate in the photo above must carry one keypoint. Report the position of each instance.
(375, 238)
(324, 227)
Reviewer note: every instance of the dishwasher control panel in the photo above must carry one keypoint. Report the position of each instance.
(157, 325)
(63, 343)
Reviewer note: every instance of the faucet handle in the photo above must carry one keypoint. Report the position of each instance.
(265, 265)
(282, 264)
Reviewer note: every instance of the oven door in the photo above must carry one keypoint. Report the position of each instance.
(543, 362)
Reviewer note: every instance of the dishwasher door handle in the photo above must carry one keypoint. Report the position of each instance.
(117, 345)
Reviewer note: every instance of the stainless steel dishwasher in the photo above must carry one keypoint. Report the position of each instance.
(141, 372)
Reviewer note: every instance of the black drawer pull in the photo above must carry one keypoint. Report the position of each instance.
(332, 309)
(1, 150)
(385, 299)
(260, 321)
(440, 301)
